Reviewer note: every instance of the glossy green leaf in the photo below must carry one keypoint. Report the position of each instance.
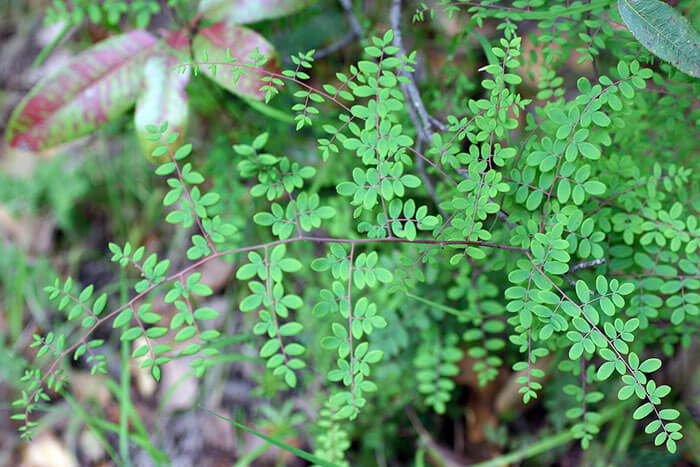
(664, 32)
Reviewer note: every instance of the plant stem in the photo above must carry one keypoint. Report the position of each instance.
(46, 51)
(92, 425)
(124, 401)
(546, 444)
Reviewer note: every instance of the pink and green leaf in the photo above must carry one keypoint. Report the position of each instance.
(249, 11)
(162, 99)
(238, 72)
(96, 86)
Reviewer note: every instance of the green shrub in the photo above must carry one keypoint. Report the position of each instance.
(560, 223)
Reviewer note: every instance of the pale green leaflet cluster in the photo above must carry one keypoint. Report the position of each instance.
(331, 440)
(269, 294)
(187, 323)
(436, 363)
(359, 319)
(580, 127)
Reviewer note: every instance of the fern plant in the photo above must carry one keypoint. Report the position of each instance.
(558, 225)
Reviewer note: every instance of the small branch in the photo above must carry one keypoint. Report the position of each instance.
(190, 309)
(296, 215)
(501, 214)
(67, 31)
(268, 289)
(186, 192)
(410, 90)
(448, 458)
(587, 264)
(420, 167)
(336, 46)
(350, 318)
(78, 302)
(422, 121)
(435, 166)
(437, 123)
(355, 32)
(354, 23)
(571, 282)
(580, 266)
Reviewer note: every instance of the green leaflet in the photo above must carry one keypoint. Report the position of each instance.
(664, 32)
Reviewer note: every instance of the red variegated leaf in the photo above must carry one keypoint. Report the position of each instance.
(179, 42)
(163, 98)
(210, 45)
(249, 11)
(96, 86)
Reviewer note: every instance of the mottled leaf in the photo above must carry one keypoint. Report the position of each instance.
(249, 11)
(210, 45)
(163, 96)
(664, 31)
(96, 86)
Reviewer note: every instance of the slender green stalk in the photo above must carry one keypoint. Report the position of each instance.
(93, 424)
(280, 444)
(15, 298)
(490, 57)
(46, 51)
(546, 444)
(270, 111)
(124, 396)
(248, 458)
(136, 421)
(537, 448)
(125, 380)
(439, 306)
(158, 456)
